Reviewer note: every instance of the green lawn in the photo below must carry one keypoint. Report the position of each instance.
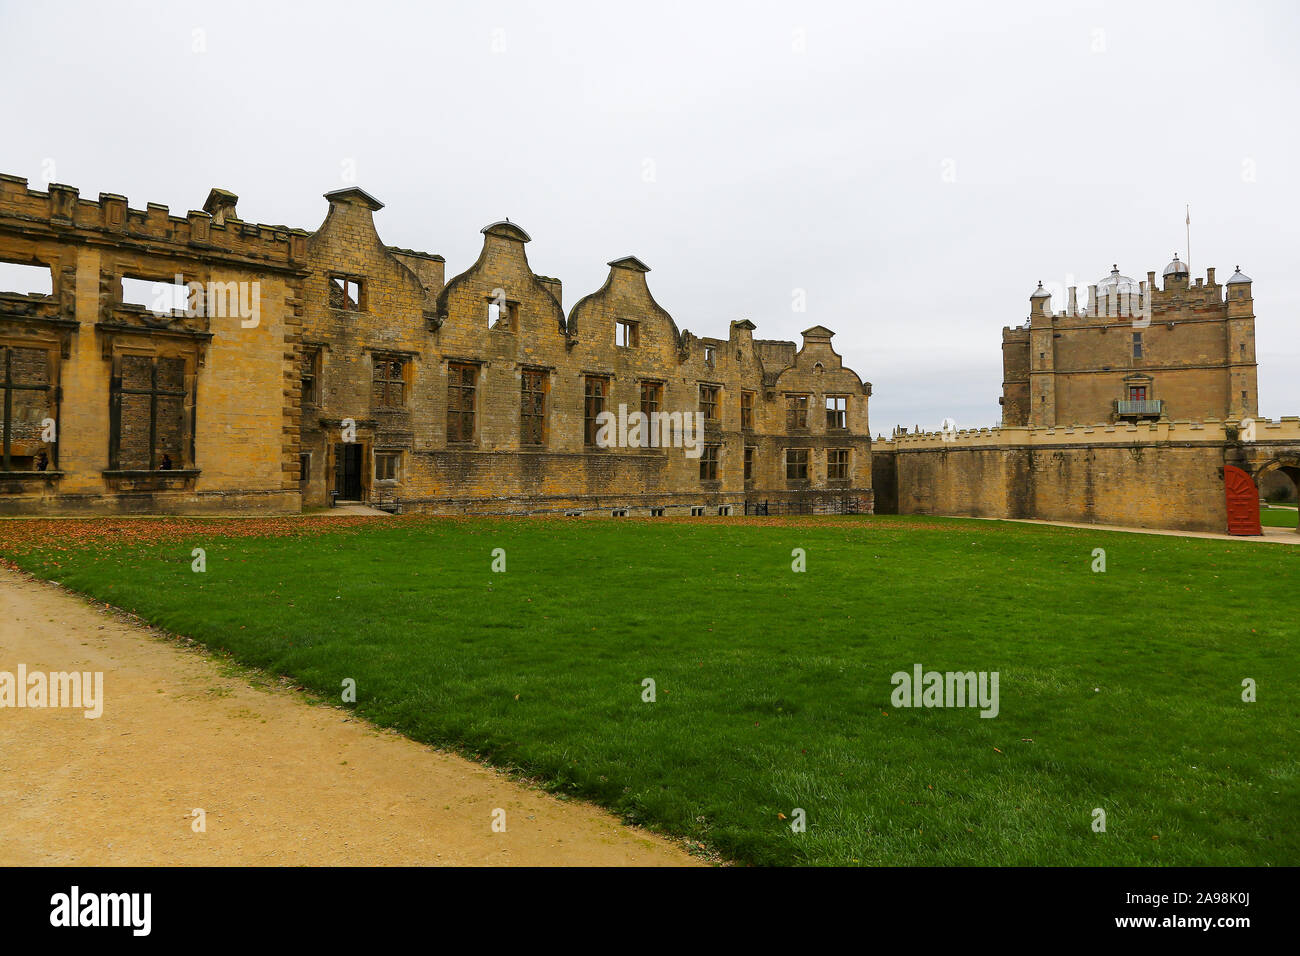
(1119, 690)
(1281, 517)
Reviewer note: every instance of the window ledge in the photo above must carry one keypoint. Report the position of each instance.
(47, 475)
(134, 479)
(147, 473)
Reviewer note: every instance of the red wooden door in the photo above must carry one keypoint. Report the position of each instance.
(1243, 502)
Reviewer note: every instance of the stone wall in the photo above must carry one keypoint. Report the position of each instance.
(1161, 475)
(224, 433)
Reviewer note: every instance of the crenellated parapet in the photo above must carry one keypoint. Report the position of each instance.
(60, 214)
(1213, 431)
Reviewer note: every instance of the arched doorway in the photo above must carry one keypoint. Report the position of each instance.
(1290, 467)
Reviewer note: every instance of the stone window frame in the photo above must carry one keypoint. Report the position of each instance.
(627, 333)
(54, 361)
(310, 368)
(840, 414)
(347, 279)
(846, 465)
(751, 462)
(710, 401)
(470, 414)
(1138, 346)
(654, 403)
(747, 409)
(544, 376)
(304, 466)
(801, 468)
(153, 348)
(589, 412)
(395, 457)
(710, 461)
(507, 318)
(795, 412)
(379, 360)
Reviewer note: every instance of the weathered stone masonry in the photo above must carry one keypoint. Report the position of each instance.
(122, 391)
(366, 375)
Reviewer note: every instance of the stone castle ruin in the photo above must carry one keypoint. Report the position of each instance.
(154, 363)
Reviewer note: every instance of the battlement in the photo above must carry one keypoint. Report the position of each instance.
(1285, 429)
(61, 213)
(1119, 297)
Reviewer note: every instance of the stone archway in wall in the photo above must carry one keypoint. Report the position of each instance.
(1289, 466)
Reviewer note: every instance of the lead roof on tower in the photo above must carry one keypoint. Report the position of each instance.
(1118, 284)
(1239, 276)
(1176, 268)
(1040, 292)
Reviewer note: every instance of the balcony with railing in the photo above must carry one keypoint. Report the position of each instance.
(1139, 408)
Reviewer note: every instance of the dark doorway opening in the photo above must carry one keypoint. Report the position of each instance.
(347, 470)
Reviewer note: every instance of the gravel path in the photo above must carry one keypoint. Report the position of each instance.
(281, 780)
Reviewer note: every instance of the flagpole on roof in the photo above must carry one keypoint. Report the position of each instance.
(1189, 241)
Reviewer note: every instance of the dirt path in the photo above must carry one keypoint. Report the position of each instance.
(281, 781)
(1270, 535)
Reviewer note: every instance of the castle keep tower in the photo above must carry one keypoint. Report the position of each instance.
(1136, 351)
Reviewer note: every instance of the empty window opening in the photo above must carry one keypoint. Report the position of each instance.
(656, 512)
(25, 280)
(724, 510)
(628, 333)
(750, 454)
(710, 353)
(837, 411)
(1137, 345)
(345, 293)
(503, 316)
(697, 511)
(149, 427)
(159, 296)
(28, 406)
(619, 513)
(746, 411)
(709, 402)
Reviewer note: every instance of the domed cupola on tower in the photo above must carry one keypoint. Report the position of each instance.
(1176, 274)
(1116, 284)
(1116, 294)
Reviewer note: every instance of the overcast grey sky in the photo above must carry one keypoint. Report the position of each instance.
(916, 170)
